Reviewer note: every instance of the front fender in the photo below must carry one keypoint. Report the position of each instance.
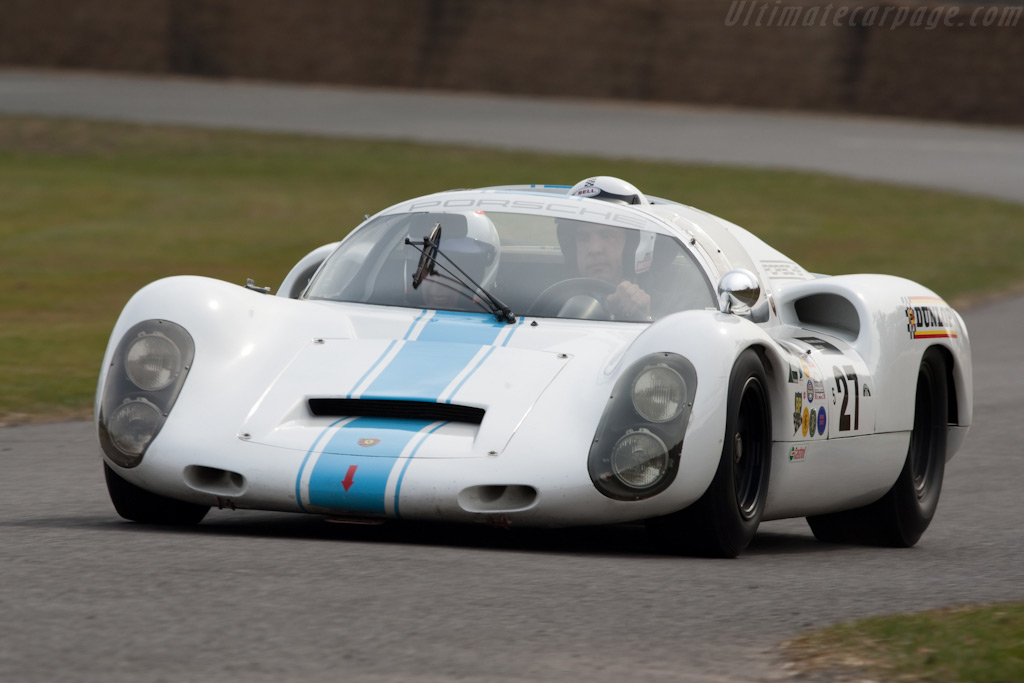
(237, 334)
(711, 341)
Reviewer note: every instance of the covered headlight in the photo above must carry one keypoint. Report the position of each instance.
(146, 374)
(133, 425)
(153, 361)
(659, 393)
(637, 446)
(639, 459)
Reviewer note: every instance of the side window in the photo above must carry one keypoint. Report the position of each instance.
(345, 275)
(676, 281)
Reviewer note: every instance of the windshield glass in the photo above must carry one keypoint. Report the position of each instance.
(537, 265)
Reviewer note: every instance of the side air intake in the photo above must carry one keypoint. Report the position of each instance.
(830, 313)
(404, 410)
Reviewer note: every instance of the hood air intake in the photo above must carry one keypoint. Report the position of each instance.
(399, 410)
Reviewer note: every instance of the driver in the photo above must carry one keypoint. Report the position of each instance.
(607, 253)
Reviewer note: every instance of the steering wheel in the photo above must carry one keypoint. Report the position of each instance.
(550, 302)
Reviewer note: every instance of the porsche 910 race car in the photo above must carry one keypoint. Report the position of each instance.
(544, 356)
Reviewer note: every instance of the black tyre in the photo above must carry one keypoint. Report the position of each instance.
(723, 522)
(901, 516)
(140, 505)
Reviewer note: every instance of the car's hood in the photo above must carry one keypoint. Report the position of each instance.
(459, 359)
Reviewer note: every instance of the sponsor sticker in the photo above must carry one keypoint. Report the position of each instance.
(810, 391)
(814, 421)
(797, 406)
(928, 317)
(368, 442)
(821, 421)
(797, 453)
(806, 421)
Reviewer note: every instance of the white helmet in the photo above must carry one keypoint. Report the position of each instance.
(469, 239)
(479, 252)
(609, 189)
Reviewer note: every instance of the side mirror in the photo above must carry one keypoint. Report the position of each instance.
(738, 288)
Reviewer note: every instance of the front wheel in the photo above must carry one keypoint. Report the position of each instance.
(901, 516)
(139, 505)
(723, 522)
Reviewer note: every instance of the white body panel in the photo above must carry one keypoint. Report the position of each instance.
(241, 433)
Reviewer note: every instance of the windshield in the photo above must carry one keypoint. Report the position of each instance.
(537, 265)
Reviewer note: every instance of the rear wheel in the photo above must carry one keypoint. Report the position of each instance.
(139, 505)
(901, 516)
(723, 522)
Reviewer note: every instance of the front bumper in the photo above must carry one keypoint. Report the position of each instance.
(393, 469)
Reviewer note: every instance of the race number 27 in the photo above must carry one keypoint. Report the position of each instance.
(842, 387)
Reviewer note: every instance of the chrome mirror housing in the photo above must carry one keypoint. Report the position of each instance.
(738, 288)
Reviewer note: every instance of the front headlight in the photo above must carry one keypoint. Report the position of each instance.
(637, 446)
(146, 373)
(659, 393)
(639, 459)
(153, 361)
(133, 425)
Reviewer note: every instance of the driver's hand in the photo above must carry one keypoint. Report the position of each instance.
(629, 302)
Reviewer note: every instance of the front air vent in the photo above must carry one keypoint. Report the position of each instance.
(403, 410)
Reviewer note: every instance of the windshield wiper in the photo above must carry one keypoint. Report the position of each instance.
(429, 252)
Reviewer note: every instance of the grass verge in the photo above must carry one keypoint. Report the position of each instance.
(980, 644)
(90, 212)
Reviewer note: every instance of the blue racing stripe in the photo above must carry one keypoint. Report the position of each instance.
(470, 374)
(424, 367)
(352, 472)
(353, 468)
(461, 328)
(420, 371)
(509, 337)
(372, 368)
(401, 475)
(302, 467)
(414, 323)
(384, 355)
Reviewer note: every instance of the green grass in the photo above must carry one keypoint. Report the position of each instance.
(955, 645)
(90, 212)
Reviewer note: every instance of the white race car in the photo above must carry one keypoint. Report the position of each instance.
(542, 356)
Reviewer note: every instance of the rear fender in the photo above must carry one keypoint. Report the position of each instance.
(890, 322)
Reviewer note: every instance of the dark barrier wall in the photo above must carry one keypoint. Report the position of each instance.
(903, 57)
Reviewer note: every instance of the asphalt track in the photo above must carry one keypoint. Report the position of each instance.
(982, 160)
(253, 597)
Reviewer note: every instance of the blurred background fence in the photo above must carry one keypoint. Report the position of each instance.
(961, 62)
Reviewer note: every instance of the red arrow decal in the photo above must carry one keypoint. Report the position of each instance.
(349, 477)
